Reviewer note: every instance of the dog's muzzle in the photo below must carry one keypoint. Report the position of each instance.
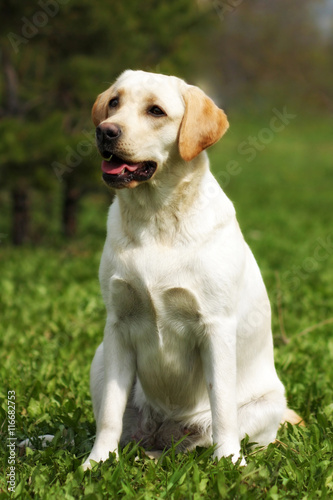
(118, 172)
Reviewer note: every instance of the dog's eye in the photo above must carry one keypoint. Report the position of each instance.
(156, 111)
(113, 103)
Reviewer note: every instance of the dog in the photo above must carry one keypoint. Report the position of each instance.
(187, 353)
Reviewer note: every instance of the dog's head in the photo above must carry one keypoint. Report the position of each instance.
(145, 119)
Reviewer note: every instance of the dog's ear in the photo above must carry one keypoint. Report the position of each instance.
(99, 111)
(203, 124)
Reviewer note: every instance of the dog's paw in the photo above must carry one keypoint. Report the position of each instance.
(154, 455)
(86, 465)
(234, 455)
(97, 456)
(235, 458)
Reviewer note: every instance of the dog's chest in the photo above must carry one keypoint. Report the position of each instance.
(153, 294)
(158, 313)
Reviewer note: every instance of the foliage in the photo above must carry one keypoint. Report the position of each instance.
(57, 55)
(53, 319)
(60, 65)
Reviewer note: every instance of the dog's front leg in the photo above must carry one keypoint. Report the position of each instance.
(220, 369)
(119, 373)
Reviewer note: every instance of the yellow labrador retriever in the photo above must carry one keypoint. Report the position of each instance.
(187, 350)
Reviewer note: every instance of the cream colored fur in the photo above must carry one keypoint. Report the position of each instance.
(187, 349)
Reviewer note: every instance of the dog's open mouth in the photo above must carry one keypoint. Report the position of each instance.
(119, 173)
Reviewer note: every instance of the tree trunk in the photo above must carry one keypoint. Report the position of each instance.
(69, 214)
(12, 105)
(21, 215)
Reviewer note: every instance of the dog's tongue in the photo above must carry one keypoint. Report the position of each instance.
(115, 166)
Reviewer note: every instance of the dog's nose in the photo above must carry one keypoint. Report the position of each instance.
(107, 131)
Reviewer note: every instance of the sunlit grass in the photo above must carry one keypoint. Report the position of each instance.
(53, 318)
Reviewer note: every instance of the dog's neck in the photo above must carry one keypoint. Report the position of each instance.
(165, 208)
(156, 209)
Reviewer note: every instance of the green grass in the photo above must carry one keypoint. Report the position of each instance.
(53, 319)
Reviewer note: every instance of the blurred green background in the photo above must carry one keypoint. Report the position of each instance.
(57, 55)
(269, 64)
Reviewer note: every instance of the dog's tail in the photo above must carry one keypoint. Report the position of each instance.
(292, 417)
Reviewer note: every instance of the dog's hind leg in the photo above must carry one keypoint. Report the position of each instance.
(291, 417)
(260, 418)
